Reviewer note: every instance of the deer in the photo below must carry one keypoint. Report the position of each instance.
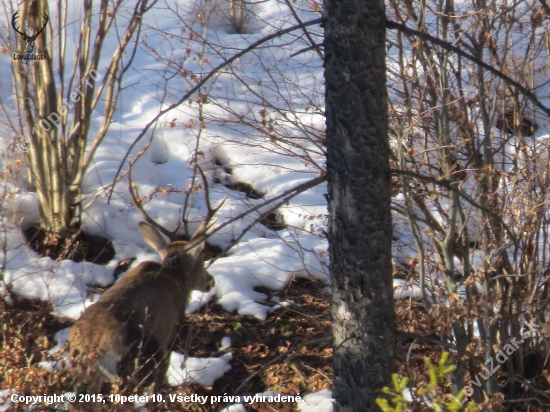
(128, 333)
(29, 40)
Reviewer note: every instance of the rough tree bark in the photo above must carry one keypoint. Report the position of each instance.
(359, 201)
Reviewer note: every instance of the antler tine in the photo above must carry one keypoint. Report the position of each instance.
(149, 219)
(13, 22)
(35, 33)
(205, 224)
(44, 26)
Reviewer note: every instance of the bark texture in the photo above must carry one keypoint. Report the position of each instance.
(359, 201)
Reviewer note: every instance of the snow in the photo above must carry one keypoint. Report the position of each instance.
(238, 407)
(272, 166)
(317, 402)
(203, 371)
(5, 401)
(225, 343)
(261, 258)
(404, 289)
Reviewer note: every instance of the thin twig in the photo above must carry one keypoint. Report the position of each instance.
(283, 198)
(313, 44)
(448, 46)
(204, 80)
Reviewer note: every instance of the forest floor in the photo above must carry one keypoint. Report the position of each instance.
(289, 353)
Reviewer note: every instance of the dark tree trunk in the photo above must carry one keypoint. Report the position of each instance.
(359, 201)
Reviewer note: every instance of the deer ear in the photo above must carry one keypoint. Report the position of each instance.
(154, 239)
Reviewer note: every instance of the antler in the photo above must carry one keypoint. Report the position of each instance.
(171, 235)
(14, 18)
(47, 19)
(200, 233)
(25, 36)
(205, 224)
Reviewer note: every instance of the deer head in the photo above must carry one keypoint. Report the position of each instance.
(29, 40)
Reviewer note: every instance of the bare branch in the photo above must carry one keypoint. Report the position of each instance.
(425, 36)
(203, 82)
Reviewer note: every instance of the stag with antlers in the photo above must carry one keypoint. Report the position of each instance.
(130, 331)
(29, 40)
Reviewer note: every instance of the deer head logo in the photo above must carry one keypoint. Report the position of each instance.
(29, 40)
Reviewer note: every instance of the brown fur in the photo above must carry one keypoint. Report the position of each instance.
(129, 332)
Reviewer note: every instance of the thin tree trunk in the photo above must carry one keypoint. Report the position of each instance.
(56, 119)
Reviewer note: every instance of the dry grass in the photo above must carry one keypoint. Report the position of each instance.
(28, 330)
(289, 353)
